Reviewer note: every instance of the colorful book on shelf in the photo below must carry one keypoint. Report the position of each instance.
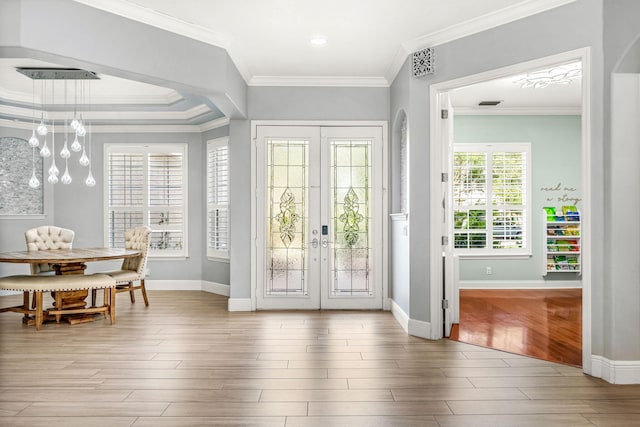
(571, 213)
(560, 259)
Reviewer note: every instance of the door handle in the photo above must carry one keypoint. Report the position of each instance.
(325, 243)
(314, 242)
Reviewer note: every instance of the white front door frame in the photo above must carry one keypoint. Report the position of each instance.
(436, 155)
(385, 195)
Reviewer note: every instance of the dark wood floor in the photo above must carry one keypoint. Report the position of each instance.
(546, 324)
(186, 361)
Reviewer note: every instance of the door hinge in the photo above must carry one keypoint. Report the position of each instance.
(445, 177)
(445, 240)
(445, 304)
(444, 114)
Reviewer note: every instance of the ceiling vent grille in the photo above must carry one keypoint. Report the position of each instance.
(423, 62)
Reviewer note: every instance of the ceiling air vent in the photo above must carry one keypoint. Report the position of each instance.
(488, 103)
(423, 62)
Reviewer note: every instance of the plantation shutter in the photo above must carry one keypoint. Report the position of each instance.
(490, 193)
(217, 198)
(146, 185)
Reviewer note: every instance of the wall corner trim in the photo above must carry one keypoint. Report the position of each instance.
(616, 371)
(401, 317)
(239, 304)
(419, 328)
(216, 288)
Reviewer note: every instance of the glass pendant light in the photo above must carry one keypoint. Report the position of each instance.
(53, 170)
(84, 160)
(90, 181)
(33, 141)
(42, 128)
(74, 122)
(75, 145)
(66, 178)
(65, 153)
(33, 182)
(44, 151)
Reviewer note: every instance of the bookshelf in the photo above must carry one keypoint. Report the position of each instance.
(562, 240)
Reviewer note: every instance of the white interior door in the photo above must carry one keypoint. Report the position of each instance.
(319, 210)
(449, 265)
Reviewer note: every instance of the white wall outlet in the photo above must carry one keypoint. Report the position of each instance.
(489, 270)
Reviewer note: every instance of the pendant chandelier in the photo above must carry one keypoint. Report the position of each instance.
(79, 128)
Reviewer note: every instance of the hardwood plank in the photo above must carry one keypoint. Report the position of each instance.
(538, 420)
(627, 392)
(377, 408)
(415, 395)
(200, 395)
(235, 409)
(613, 420)
(326, 396)
(520, 407)
(72, 421)
(546, 324)
(369, 421)
(209, 421)
(94, 409)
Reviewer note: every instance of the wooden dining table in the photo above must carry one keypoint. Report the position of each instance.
(69, 261)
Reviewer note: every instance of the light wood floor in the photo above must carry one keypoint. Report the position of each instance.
(186, 361)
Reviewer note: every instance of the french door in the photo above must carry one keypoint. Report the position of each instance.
(319, 217)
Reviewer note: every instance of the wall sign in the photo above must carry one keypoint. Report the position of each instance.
(561, 193)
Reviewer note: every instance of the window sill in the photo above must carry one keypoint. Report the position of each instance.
(493, 256)
(24, 217)
(218, 259)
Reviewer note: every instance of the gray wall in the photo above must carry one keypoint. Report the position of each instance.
(566, 28)
(284, 103)
(621, 293)
(556, 158)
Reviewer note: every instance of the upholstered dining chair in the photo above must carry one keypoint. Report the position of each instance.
(47, 237)
(43, 238)
(133, 269)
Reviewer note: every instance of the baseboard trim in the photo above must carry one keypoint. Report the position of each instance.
(173, 285)
(419, 328)
(239, 304)
(616, 371)
(519, 284)
(401, 317)
(216, 288)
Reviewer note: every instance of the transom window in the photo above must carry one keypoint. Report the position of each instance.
(491, 198)
(147, 185)
(218, 198)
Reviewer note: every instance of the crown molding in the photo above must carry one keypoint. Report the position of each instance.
(469, 27)
(517, 111)
(28, 98)
(160, 20)
(213, 124)
(330, 81)
(28, 114)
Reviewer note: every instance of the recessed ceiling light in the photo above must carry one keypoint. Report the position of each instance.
(318, 40)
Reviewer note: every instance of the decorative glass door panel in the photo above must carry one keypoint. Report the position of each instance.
(350, 218)
(319, 231)
(287, 195)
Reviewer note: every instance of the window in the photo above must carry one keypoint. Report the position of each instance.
(491, 198)
(218, 198)
(147, 185)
